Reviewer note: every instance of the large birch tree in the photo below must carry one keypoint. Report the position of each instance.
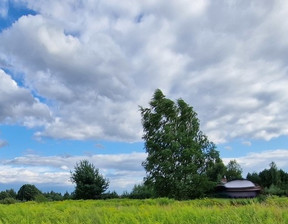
(181, 163)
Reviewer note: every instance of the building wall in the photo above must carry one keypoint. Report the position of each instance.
(241, 194)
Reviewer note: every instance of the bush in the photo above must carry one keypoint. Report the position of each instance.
(41, 198)
(8, 201)
(8, 194)
(274, 190)
(141, 191)
(261, 198)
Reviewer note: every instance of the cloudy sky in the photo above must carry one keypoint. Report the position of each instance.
(73, 72)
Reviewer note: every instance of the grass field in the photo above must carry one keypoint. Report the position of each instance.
(272, 210)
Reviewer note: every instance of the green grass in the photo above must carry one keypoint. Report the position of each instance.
(272, 210)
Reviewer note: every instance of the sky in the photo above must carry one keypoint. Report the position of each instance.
(73, 74)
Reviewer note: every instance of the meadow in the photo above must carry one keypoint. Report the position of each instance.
(156, 211)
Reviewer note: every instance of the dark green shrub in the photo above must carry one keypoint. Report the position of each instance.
(28, 192)
(41, 198)
(110, 195)
(141, 191)
(8, 201)
(274, 190)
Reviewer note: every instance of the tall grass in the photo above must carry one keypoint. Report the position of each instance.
(272, 210)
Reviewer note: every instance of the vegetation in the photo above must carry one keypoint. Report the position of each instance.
(162, 210)
(90, 184)
(28, 192)
(233, 171)
(54, 196)
(141, 191)
(182, 163)
(8, 194)
(272, 180)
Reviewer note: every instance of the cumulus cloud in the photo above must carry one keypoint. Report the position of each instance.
(11, 174)
(256, 162)
(94, 62)
(19, 106)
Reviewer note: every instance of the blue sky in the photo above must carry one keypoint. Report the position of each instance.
(72, 74)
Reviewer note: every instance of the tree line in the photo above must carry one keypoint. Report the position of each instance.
(273, 180)
(29, 192)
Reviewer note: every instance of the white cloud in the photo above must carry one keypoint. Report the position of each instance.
(94, 62)
(18, 105)
(256, 162)
(11, 174)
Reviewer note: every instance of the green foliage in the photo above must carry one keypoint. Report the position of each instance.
(40, 198)
(28, 192)
(125, 194)
(8, 201)
(110, 195)
(141, 191)
(67, 196)
(8, 194)
(272, 180)
(53, 196)
(254, 177)
(90, 184)
(274, 190)
(269, 177)
(233, 170)
(182, 163)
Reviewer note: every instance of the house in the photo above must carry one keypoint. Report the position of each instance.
(238, 189)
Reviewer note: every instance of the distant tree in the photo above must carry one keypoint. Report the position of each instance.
(270, 176)
(181, 159)
(66, 196)
(273, 181)
(53, 196)
(254, 177)
(125, 194)
(233, 170)
(12, 193)
(141, 191)
(28, 192)
(8, 194)
(90, 184)
(110, 195)
(265, 177)
(274, 172)
(3, 195)
(283, 184)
